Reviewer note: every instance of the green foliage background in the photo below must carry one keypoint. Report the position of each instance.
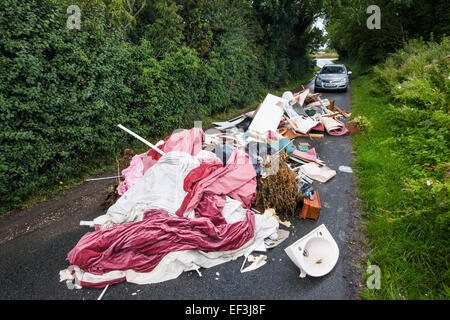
(63, 92)
(401, 92)
(401, 20)
(403, 171)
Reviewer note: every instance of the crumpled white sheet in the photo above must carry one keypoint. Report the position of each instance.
(161, 187)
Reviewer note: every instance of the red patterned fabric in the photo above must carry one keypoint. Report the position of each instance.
(140, 246)
(237, 179)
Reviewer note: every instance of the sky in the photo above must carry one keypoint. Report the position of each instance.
(320, 25)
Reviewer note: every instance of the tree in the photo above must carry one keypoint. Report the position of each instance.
(123, 13)
(400, 20)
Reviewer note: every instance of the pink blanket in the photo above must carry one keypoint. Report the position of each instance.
(140, 246)
(309, 155)
(189, 141)
(333, 126)
(237, 179)
(319, 127)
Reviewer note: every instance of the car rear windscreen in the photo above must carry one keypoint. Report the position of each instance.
(332, 69)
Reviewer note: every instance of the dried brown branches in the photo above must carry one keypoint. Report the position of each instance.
(277, 187)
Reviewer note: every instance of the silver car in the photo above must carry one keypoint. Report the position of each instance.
(332, 77)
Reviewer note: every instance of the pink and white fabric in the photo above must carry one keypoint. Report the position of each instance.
(174, 263)
(189, 141)
(139, 164)
(237, 179)
(309, 155)
(141, 245)
(333, 126)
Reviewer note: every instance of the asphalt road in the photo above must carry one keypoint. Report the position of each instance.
(321, 62)
(30, 263)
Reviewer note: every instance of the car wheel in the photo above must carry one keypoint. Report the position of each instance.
(316, 90)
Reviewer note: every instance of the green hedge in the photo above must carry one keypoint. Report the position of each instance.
(59, 94)
(63, 92)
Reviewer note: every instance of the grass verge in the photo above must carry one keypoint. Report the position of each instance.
(411, 255)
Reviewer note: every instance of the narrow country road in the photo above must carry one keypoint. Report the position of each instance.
(321, 62)
(30, 263)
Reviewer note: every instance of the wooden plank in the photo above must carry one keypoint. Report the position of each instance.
(342, 112)
(292, 134)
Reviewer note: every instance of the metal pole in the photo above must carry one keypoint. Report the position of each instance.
(103, 292)
(95, 179)
(141, 139)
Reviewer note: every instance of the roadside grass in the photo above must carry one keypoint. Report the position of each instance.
(235, 111)
(110, 164)
(411, 256)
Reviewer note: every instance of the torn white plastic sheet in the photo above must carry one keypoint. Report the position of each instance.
(256, 262)
(346, 169)
(269, 115)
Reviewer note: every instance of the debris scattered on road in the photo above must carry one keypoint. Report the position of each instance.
(199, 199)
(256, 262)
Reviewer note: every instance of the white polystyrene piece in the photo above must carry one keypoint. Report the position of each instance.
(268, 115)
(302, 97)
